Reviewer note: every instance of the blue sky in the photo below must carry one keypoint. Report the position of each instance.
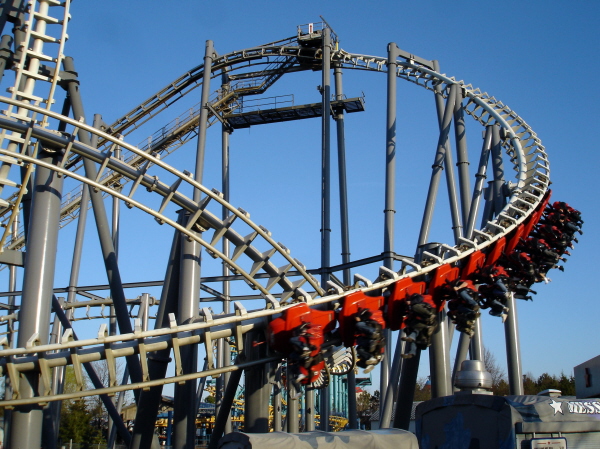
(538, 57)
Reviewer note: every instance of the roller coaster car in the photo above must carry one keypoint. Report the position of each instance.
(514, 239)
(496, 251)
(440, 278)
(472, 266)
(352, 305)
(282, 329)
(397, 306)
(534, 218)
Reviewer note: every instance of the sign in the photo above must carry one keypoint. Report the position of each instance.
(549, 443)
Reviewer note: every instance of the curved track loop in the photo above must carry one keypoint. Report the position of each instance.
(519, 142)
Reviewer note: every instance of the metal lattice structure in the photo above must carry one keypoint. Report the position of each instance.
(44, 147)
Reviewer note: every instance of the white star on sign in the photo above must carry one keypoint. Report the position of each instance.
(557, 406)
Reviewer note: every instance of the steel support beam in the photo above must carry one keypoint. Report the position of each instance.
(439, 352)
(462, 158)
(453, 97)
(158, 361)
(38, 279)
(106, 243)
(223, 416)
(406, 391)
(480, 177)
(438, 166)
(91, 372)
(391, 394)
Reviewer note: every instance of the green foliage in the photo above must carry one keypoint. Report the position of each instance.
(366, 404)
(210, 399)
(546, 381)
(81, 420)
(76, 424)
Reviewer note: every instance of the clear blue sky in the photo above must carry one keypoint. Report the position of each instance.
(539, 58)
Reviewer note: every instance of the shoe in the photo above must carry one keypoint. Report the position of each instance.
(368, 369)
(300, 377)
(504, 316)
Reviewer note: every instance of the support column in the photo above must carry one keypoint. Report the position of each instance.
(223, 349)
(390, 196)
(461, 355)
(344, 224)
(439, 360)
(187, 309)
(189, 288)
(513, 349)
(38, 283)
(258, 389)
(292, 409)
(310, 413)
(497, 165)
(5, 53)
(203, 121)
(8, 389)
(343, 185)
(277, 400)
(476, 346)
(325, 194)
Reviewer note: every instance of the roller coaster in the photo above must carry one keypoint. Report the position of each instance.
(316, 329)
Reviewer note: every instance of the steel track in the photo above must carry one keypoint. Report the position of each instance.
(520, 143)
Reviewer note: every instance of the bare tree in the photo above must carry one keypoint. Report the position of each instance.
(499, 384)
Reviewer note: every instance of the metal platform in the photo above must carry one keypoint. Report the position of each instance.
(275, 115)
